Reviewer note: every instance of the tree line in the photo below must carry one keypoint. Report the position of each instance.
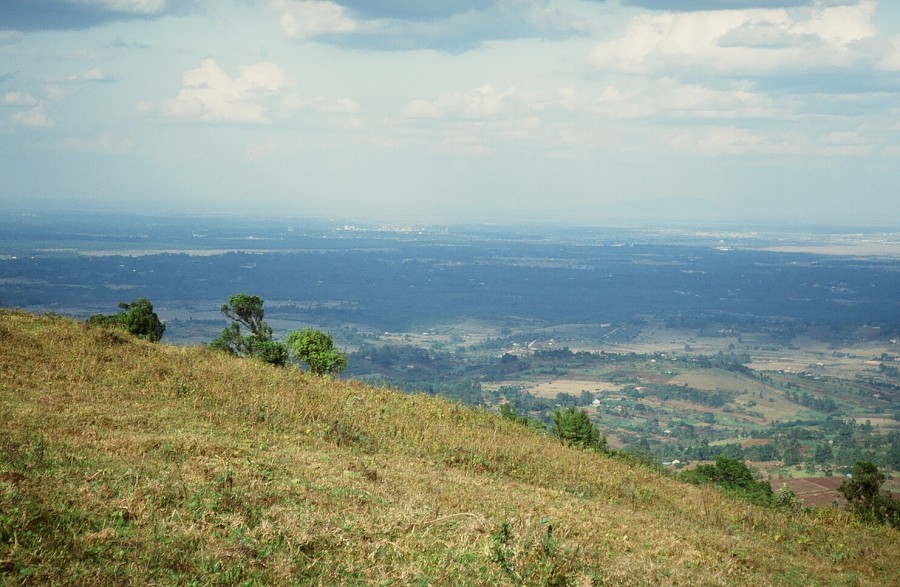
(248, 335)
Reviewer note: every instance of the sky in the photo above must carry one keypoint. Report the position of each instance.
(587, 112)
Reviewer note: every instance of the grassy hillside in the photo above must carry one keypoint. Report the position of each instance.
(127, 462)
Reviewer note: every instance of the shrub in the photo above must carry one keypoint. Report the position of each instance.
(734, 477)
(316, 349)
(573, 427)
(863, 491)
(248, 310)
(138, 318)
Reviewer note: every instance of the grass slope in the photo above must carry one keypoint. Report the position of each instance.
(124, 462)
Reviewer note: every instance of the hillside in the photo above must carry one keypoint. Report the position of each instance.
(125, 462)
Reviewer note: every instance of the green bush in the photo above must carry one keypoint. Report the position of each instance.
(734, 477)
(863, 491)
(138, 318)
(248, 311)
(316, 349)
(573, 427)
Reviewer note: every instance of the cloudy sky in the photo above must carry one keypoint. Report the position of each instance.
(570, 111)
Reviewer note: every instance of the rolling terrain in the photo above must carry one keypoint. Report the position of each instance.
(125, 462)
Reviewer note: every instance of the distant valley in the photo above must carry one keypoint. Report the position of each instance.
(681, 345)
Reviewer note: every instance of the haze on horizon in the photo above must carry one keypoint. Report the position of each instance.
(566, 111)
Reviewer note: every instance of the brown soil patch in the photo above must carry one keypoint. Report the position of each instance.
(756, 442)
(816, 491)
(549, 389)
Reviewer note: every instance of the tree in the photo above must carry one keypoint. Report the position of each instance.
(507, 412)
(823, 453)
(734, 477)
(863, 491)
(316, 349)
(248, 311)
(138, 318)
(141, 321)
(786, 500)
(573, 427)
(791, 454)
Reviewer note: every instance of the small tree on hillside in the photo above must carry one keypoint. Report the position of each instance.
(316, 349)
(863, 491)
(138, 318)
(248, 311)
(734, 477)
(507, 412)
(573, 427)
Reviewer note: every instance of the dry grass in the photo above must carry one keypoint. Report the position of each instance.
(123, 462)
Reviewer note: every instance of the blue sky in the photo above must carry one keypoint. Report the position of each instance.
(402, 111)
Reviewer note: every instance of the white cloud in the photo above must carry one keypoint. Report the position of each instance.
(35, 115)
(129, 6)
(745, 41)
(294, 101)
(670, 98)
(728, 140)
(55, 93)
(891, 59)
(33, 118)
(340, 112)
(839, 25)
(19, 99)
(424, 109)
(451, 26)
(211, 95)
(91, 75)
(733, 140)
(301, 19)
(692, 100)
(485, 101)
(481, 102)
